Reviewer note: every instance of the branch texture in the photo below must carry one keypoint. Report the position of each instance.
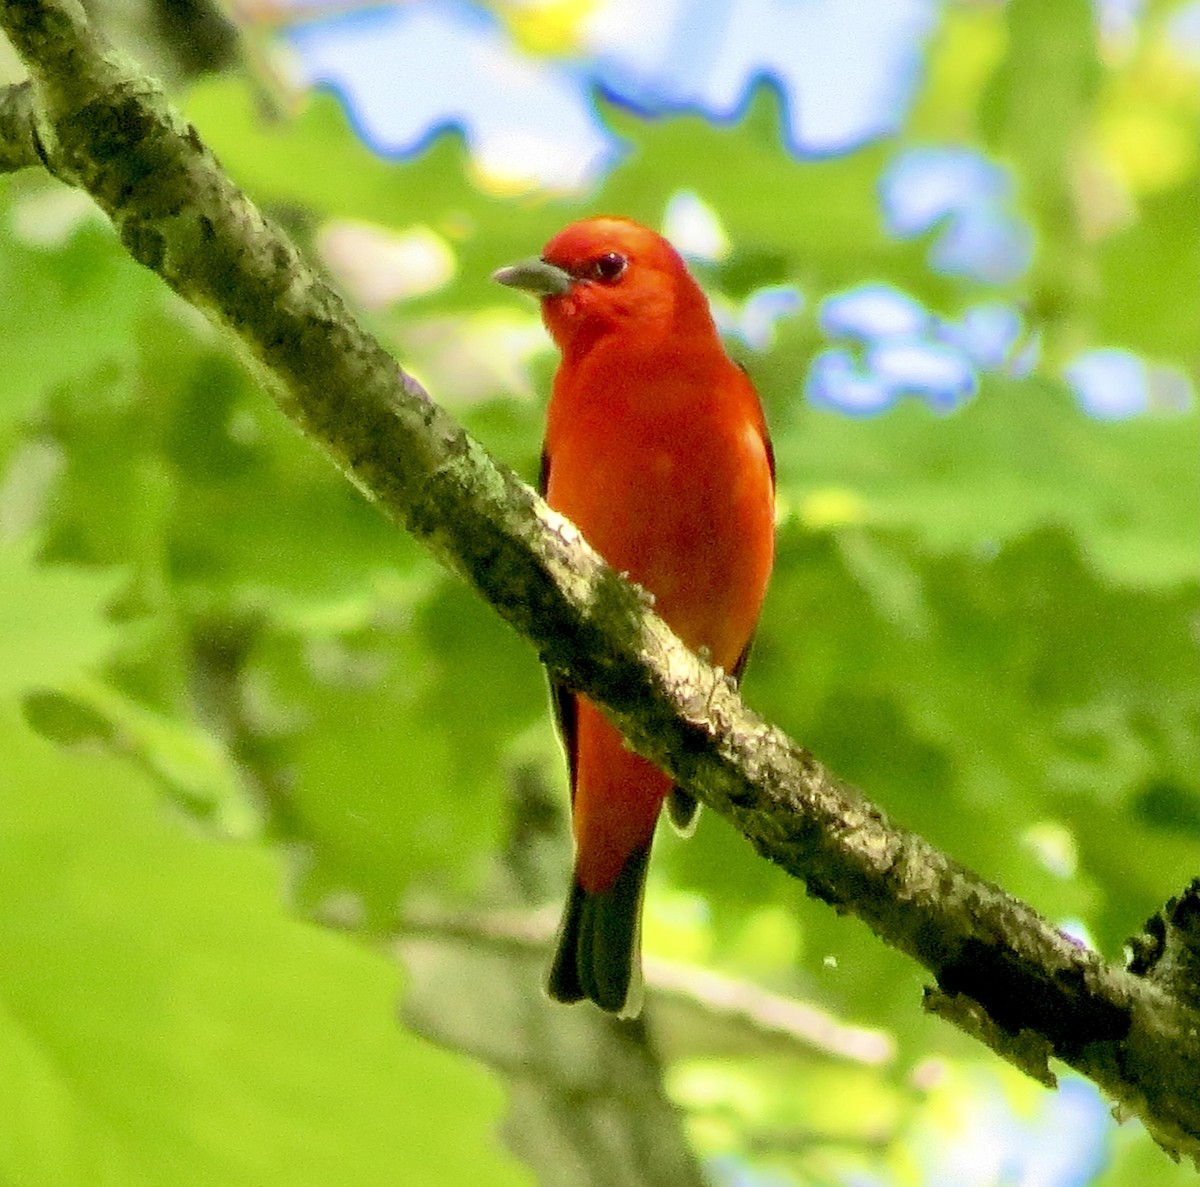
(18, 138)
(1000, 969)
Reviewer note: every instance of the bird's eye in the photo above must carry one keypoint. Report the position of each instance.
(608, 267)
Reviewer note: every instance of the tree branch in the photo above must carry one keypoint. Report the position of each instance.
(101, 125)
(18, 140)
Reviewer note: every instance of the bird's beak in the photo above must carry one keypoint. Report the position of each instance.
(536, 277)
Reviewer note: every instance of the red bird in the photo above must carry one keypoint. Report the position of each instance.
(657, 449)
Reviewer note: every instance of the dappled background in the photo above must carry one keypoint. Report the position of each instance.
(251, 734)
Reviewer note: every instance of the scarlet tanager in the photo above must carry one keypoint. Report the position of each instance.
(657, 449)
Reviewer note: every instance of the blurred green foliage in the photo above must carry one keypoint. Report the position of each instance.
(231, 697)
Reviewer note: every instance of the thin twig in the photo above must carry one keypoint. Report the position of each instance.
(747, 1005)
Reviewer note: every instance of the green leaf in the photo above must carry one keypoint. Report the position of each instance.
(52, 619)
(1158, 318)
(1018, 457)
(194, 766)
(67, 312)
(162, 1021)
(1051, 66)
(404, 777)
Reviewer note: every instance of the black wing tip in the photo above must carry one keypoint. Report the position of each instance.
(683, 811)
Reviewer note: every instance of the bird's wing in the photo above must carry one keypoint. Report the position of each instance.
(561, 698)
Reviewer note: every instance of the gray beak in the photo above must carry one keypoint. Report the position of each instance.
(536, 277)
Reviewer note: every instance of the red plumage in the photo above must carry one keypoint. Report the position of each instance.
(657, 449)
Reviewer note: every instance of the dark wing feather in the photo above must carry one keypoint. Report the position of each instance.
(561, 698)
(563, 701)
(682, 806)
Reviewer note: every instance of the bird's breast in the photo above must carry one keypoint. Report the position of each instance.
(669, 479)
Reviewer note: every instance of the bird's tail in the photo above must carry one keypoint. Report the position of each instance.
(599, 943)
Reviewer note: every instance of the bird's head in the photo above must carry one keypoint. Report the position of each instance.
(605, 275)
